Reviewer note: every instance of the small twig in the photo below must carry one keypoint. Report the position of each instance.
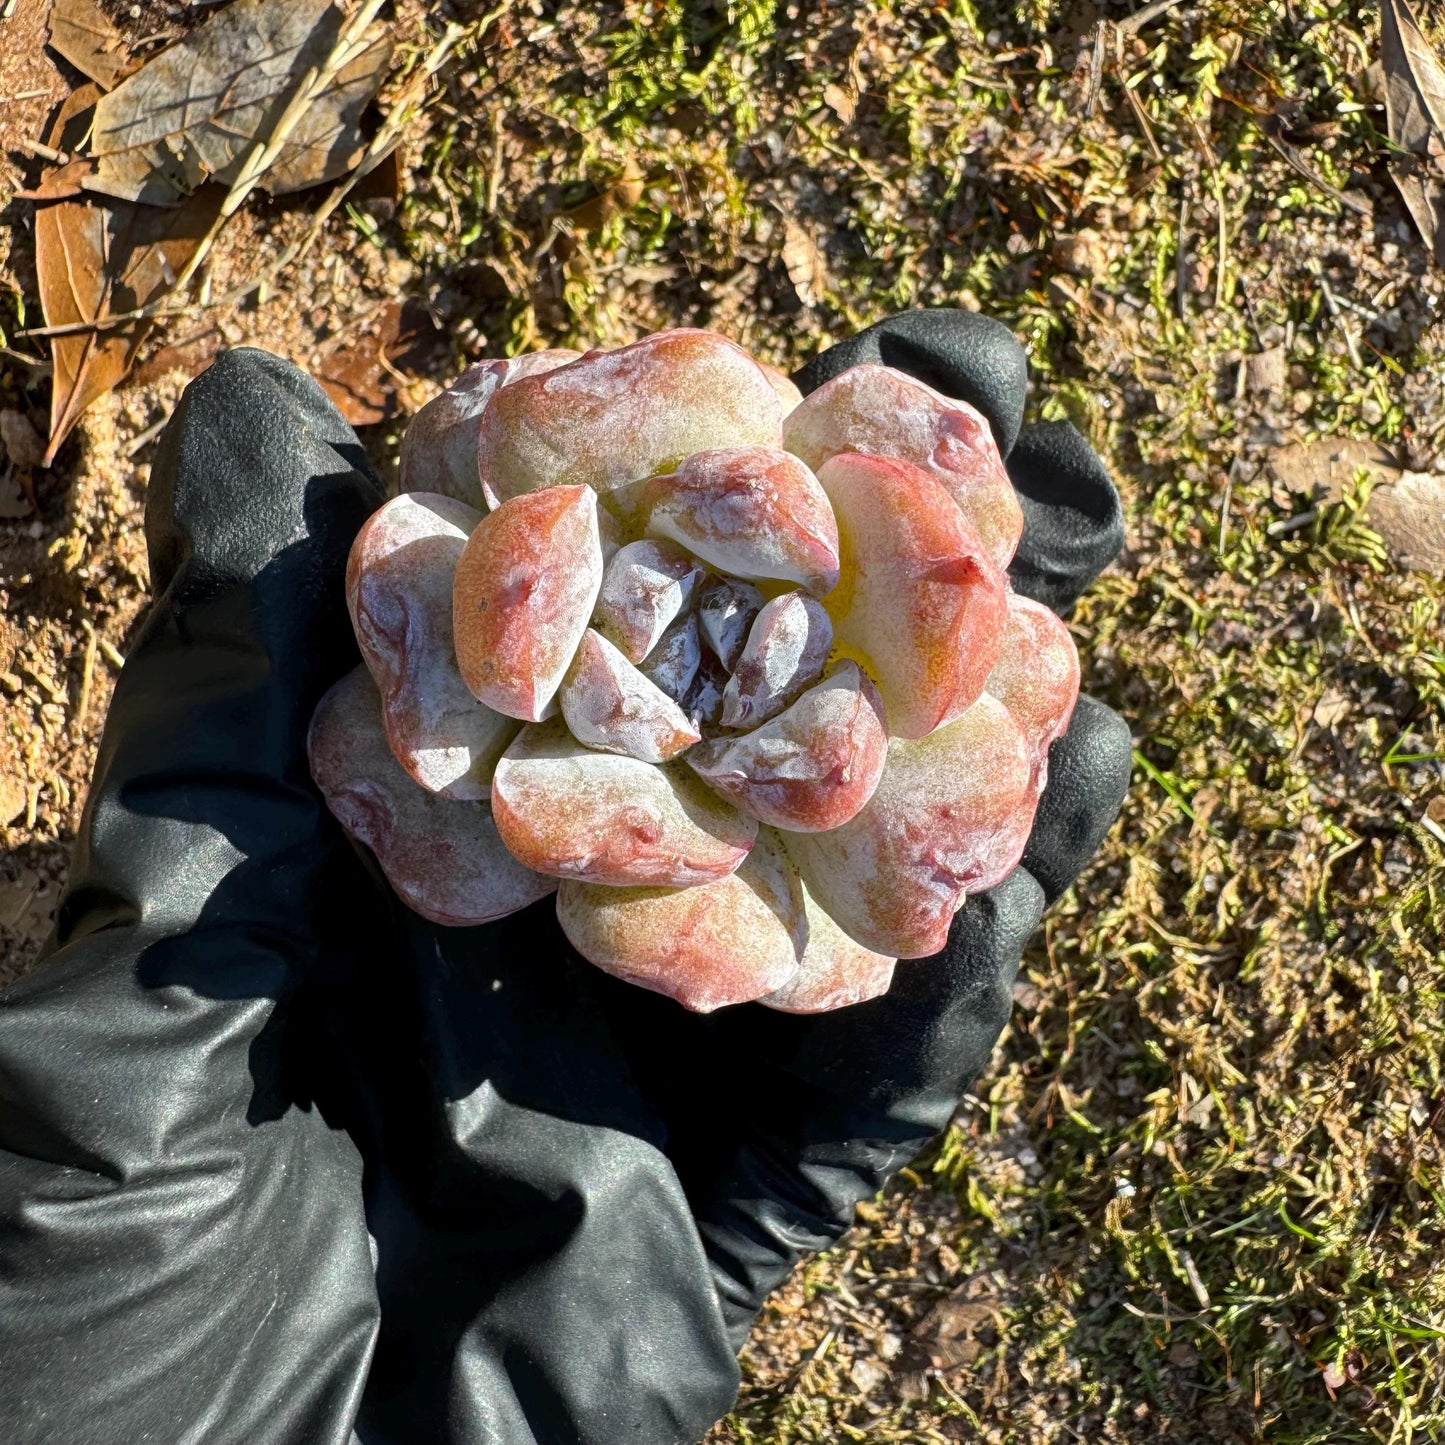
(87, 675)
(1191, 1270)
(1292, 524)
(25, 95)
(1168, 1317)
(1137, 106)
(1295, 163)
(147, 436)
(1140, 18)
(1096, 69)
(39, 362)
(45, 152)
(1213, 164)
(1180, 285)
(1334, 309)
(110, 654)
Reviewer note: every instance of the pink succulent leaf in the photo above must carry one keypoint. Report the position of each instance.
(752, 512)
(919, 603)
(878, 410)
(833, 972)
(399, 593)
(609, 704)
(785, 652)
(439, 447)
(573, 812)
(1001, 855)
(725, 613)
(613, 417)
(673, 663)
(893, 877)
(1037, 674)
(443, 857)
(646, 585)
(526, 584)
(727, 942)
(783, 385)
(811, 768)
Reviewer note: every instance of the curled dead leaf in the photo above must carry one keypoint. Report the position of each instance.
(360, 373)
(1415, 117)
(95, 259)
(803, 262)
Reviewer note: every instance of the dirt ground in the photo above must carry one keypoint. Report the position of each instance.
(1198, 1193)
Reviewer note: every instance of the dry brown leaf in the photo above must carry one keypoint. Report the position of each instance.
(1415, 115)
(841, 101)
(360, 374)
(86, 38)
(803, 262)
(1332, 709)
(96, 258)
(620, 197)
(195, 111)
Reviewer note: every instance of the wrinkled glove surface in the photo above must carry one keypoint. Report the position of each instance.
(282, 1162)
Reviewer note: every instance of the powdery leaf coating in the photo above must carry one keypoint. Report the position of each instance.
(1037, 674)
(1001, 855)
(885, 412)
(674, 662)
(920, 603)
(646, 585)
(399, 593)
(614, 417)
(782, 383)
(574, 813)
(439, 446)
(443, 857)
(752, 512)
(833, 972)
(894, 876)
(812, 767)
(725, 612)
(786, 651)
(609, 704)
(724, 943)
(525, 588)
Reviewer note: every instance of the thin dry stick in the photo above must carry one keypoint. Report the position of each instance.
(1140, 18)
(1213, 164)
(1180, 285)
(1353, 203)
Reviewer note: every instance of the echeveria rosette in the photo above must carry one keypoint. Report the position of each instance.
(738, 673)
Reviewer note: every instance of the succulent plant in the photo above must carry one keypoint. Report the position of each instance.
(737, 673)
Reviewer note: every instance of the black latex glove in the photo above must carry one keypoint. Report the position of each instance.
(281, 1161)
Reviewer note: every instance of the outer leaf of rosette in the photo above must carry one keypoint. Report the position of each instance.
(726, 942)
(399, 592)
(893, 877)
(883, 412)
(444, 858)
(612, 417)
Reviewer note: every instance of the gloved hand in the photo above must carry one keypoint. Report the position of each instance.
(280, 1161)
